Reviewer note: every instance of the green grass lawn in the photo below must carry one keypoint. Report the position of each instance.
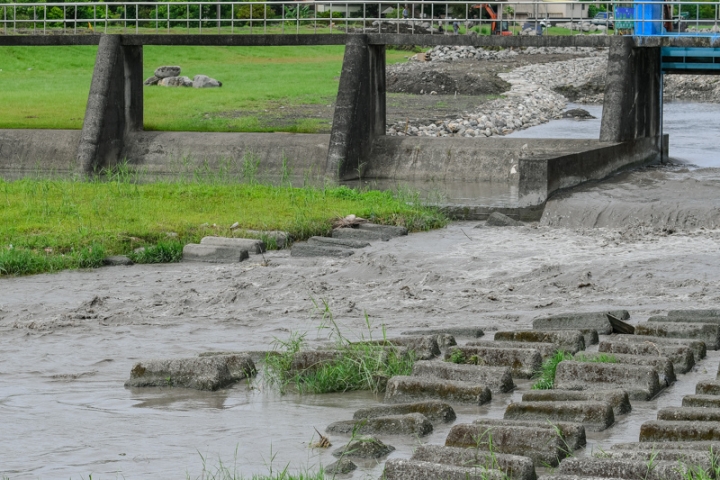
(47, 87)
(49, 225)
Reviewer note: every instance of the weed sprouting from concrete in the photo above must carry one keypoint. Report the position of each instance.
(599, 358)
(546, 375)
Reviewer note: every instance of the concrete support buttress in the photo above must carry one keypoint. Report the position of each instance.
(360, 109)
(633, 103)
(115, 104)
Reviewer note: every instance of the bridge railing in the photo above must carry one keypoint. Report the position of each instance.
(642, 18)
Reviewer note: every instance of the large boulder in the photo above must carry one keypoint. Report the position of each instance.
(175, 82)
(203, 81)
(167, 71)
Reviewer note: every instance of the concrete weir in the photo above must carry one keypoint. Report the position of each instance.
(357, 146)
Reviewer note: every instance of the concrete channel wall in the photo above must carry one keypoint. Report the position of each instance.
(357, 146)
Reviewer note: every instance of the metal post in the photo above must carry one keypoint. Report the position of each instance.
(662, 136)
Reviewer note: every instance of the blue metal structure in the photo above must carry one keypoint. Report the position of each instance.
(695, 60)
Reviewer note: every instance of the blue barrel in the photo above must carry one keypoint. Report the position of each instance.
(649, 18)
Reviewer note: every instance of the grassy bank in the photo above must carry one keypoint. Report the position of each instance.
(50, 225)
(47, 87)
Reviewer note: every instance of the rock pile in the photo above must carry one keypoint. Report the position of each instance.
(451, 53)
(169, 76)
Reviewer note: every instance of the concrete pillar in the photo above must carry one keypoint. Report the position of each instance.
(633, 93)
(360, 109)
(115, 104)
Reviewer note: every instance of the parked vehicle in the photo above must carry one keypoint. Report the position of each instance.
(603, 18)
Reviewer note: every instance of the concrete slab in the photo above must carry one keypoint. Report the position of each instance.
(388, 231)
(497, 379)
(590, 335)
(571, 341)
(682, 358)
(252, 245)
(698, 347)
(684, 319)
(663, 365)
(408, 424)
(707, 401)
(581, 320)
(640, 382)
(704, 332)
(433, 410)
(608, 467)
(403, 389)
(401, 469)
(700, 446)
(523, 362)
(454, 331)
(546, 349)
(617, 398)
(358, 234)
(338, 242)
(708, 387)
(194, 252)
(664, 431)
(573, 434)
(689, 457)
(689, 414)
(593, 415)
(712, 312)
(516, 467)
(316, 250)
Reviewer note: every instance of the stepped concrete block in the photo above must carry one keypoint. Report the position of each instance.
(338, 242)
(357, 234)
(200, 373)
(195, 252)
(408, 424)
(543, 445)
(388, 230)
(681, 357)
(708, 387)
(433, 410)
(659, 319)
(628, 469)
(573, 434)
(410, 389)
(317, 250)
(364, 447)
(617, 398)
(523, 362)
(497, 379)
(590, 335)
(702, 447)
(593, 415)
(665, 431)
(425, 346)
(706, 401)
(689, 457)
(310, 360)
(590, 320)
(569, 340)
(698, 347)
(694, 313)
(400, 469)
(640, 382)
(454, 331)
(516, 467)
(252, 245)
(689, 414)
(704, 332)
(662, 364)
(546, 349)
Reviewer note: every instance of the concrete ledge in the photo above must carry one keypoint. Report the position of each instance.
(516, 467)
(640, 382)
(663, 431)
(401, 469)
(43, 152)
(403, 389)
(407, 424)
(594, 415)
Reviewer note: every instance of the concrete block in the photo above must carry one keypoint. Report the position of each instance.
(664, 431)
(681, 357)
(542, 445)
(402, 389)
(523, 362)
(388, 231)
(705, 401)
(338, 242)
(200, 373)
(546, 349)
(558, 476)
(698, 347)
(408, 424)
(702, 447)
(704, 332)
(341, 467)
(364, 447)
(271, 238)
(194, 252)
(593, 415)
(569, 340)
(425, 347)
(573, 434)
(454, 331)
(586, 320)
(433, 410)
(688, 319)
(694, 313)
(357, 234)
(701, 459)
(708, 387)
(689, 414)
(400, 469)
(640, 382)
(497, 379)
(617, 398)
(252, 245)
(590, 335)
(663, 365)
(316, 250)
(497, 219)
(628, 469)
(310, 360)
(516, 467)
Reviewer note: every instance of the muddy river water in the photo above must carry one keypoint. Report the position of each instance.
(68, 340)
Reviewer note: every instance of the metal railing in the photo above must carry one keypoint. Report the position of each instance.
(355, 16)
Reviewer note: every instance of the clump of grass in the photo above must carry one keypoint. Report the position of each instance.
(23, 261)
(164, 251)
(221, 471)
(546, 375)
(459, 357)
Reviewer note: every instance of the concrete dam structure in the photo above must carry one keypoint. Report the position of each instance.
(357, 147)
